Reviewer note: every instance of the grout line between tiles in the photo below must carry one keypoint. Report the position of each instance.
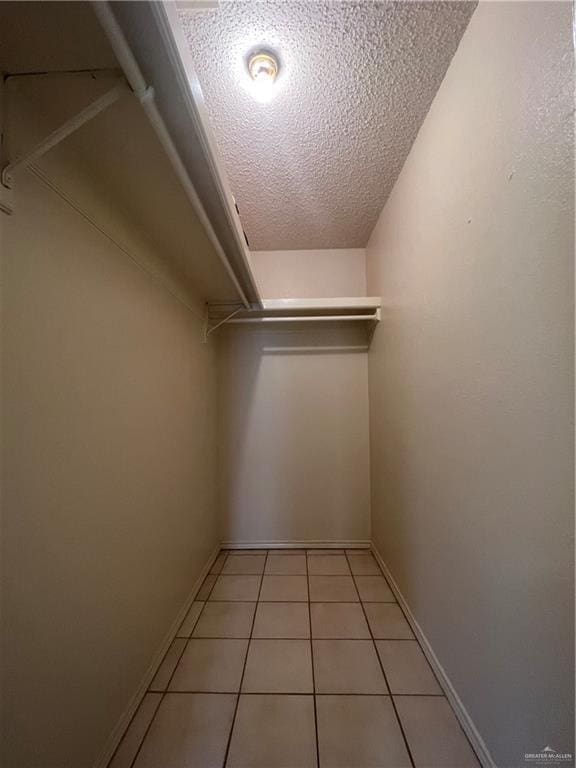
(236, 602)
(383, 672)
(443, 694)
(312, 662)
(175, 668)
(413, 639)
(241, 573)
(229, 742)
(332, 602)
(251, 601)
(281, 637)
(127, 729)
(302, 693)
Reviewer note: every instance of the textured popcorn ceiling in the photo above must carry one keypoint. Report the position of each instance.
(314, 167)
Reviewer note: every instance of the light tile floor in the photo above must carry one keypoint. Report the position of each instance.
(295, 660)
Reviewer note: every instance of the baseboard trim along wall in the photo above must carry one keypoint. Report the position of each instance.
(459, 709)
(116, 736)
(293, 543)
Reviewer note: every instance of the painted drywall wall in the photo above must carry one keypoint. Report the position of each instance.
(109, 458)
(471, 377)
(293, 435)
(310, 274)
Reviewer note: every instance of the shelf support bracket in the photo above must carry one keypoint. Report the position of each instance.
(210, 329)
(25, 159)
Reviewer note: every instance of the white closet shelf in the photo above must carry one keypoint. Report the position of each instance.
(151, 48)
(361, 304)
(342, 309)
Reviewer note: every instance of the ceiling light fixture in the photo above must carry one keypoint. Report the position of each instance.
(263, 70)
(263, 67)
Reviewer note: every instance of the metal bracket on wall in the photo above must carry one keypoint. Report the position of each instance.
(286, 312)
(208, 329)
(25, 159)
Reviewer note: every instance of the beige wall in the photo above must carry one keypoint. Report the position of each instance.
(471, 377)
(108, 442)
(310, 274)
(293, 438)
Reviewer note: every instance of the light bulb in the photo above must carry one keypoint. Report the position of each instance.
(263, 68)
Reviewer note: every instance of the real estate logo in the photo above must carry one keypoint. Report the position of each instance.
(548, 756)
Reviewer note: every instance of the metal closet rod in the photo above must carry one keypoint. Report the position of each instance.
(304, 319)
(145, 95)
(95, 73)
(154, 274)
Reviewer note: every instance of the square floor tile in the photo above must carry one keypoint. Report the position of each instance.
(338, 620)
(244, 588)
(364, 565)
(168, 665)
(284, 589)
(332, 589)
(328, 565)
(244, 564)
(374, 589)
(387, 621)
(206, 587)
(347, 666)
(218, 563)
(359, 731)
(189, 731)
(273, 732)
(282, 620)
(189, 622)
(406, 667)
(130, 744)
(285, 565)
(433, 733)
(278, 666)
(225, 620)
(211, 666)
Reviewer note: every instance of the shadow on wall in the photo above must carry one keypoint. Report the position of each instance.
(299, 340)
(391, 381)
(293, 437)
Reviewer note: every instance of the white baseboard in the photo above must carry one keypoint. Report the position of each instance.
(459, 709)
(299, 544)
(116, 736)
